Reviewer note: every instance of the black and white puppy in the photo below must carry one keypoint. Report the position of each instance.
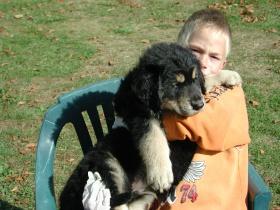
(167, 78)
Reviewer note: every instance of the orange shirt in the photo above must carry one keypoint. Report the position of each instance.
(217, 178)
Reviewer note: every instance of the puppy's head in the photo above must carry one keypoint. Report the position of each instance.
(169, 77)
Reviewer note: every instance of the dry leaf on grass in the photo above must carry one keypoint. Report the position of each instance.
(18, 16)
(9, 52)
(15, 189)
(254, 103)
(130, 3)
(71, 160)
(21, 103)
(110, 63)
(218, 6)
(247, 10)
(276, 121)
(146, 41)
(272, 30)
(2, 14)
(2, 29)
(29, 148)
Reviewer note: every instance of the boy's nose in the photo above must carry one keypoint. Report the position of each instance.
(203, 61)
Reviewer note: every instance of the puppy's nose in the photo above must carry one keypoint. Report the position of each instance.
(197, 104)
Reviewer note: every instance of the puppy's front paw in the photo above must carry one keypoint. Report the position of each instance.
(230, 78)
(160, 177)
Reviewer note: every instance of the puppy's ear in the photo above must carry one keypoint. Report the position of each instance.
(144, 86)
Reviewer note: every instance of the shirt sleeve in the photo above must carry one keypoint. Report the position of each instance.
(222, 124)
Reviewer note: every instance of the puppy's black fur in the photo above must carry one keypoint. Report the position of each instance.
(167, 78)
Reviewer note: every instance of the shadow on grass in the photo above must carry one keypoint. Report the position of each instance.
(6, 206)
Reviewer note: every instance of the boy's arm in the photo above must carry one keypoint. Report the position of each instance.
(221, 125)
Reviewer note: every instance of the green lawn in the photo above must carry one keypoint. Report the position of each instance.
(49, 47)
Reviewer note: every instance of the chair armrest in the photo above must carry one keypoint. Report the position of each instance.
(44, 190)
(259, 195)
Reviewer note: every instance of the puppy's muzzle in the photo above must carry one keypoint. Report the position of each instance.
(197, 103)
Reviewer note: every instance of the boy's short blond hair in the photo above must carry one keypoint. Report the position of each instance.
(211, 18)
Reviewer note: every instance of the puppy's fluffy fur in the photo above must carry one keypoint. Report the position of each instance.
(167, 78)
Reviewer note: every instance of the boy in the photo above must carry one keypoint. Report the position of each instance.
(218, 175)
(217, 178)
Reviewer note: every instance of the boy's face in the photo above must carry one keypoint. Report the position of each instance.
(209, 46)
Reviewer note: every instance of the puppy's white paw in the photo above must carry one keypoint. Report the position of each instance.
(155, 153)
(231, 78)
(160, 177)
(225, 77)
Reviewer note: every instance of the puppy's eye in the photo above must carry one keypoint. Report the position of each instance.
(180, 78)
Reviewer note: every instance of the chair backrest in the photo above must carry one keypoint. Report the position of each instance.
(69, 109)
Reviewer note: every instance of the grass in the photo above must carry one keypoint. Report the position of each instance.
(49, 47)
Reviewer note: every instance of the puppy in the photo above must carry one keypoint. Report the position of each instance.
(135, 160)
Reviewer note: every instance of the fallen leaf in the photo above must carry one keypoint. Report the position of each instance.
(241, 2)
(247, 10)
(31, 146)
(151, 20)
(71, 160)
(217, 6)
(275, 121)
(146, 41)
(2, 29)
(4, 64)
(110, 63)
(262, 151)
(15, 189)
(254, 103)
(19, 16)
(9, 52)
(130, 3)
(272, 30)
(230, 2)
(21, 103)
(1, 14)
(276, 44)
(179, 20)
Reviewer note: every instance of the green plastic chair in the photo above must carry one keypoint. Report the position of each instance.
(69, 109)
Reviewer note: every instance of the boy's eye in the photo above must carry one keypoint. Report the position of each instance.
(215, 57)
(195, 50)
